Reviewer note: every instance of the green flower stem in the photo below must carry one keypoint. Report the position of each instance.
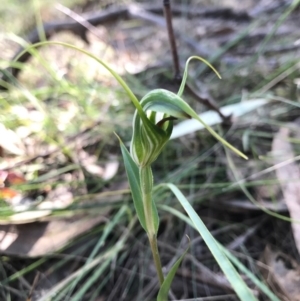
(156, 258)
(146, 179)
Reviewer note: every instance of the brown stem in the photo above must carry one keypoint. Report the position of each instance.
(208, 103)
(168, 16)
(177, 75)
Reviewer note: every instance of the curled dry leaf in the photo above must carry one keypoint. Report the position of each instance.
(11, 178)
(282, 273)
(37, 233)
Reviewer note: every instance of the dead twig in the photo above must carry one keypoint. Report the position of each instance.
(168, 16)
(208, 102)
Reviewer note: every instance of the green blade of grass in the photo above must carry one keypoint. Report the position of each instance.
(231, 257)
(250, 275)
(91, 280)
(239, 286)
(54, 291)
(107, 230)
(110, 253)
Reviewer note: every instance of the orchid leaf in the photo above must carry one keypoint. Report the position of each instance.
(165, 288)
(132, 172)
(133, 175)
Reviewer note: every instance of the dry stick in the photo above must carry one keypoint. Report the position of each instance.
(84, 22)
(35, 281)
(207, 102)
(177, 75)
(168, 16)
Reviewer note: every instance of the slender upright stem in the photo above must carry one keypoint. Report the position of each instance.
(156, 258)
(151, 218)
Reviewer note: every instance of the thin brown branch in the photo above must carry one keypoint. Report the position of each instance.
(168, 17)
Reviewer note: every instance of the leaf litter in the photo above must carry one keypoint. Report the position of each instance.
(44, 161)
(288, 175)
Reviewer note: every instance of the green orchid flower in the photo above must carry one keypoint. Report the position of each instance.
(153, 127)
(151, 131)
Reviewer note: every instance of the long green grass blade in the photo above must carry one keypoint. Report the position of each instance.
(107, 230)
(54, 291)
(250, 275)
(164, 289)
(91, 280)
(233, 277)
(132, 172)
(230, 256)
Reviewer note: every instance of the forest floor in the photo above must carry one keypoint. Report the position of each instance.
(68, 229)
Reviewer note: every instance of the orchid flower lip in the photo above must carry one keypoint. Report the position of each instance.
(161, 122)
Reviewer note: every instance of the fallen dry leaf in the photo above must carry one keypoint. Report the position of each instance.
(7, 193)
(14, 178)
(282, 273)
(41, 238)
(10, 141)
(26, 217)
(289, 176)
